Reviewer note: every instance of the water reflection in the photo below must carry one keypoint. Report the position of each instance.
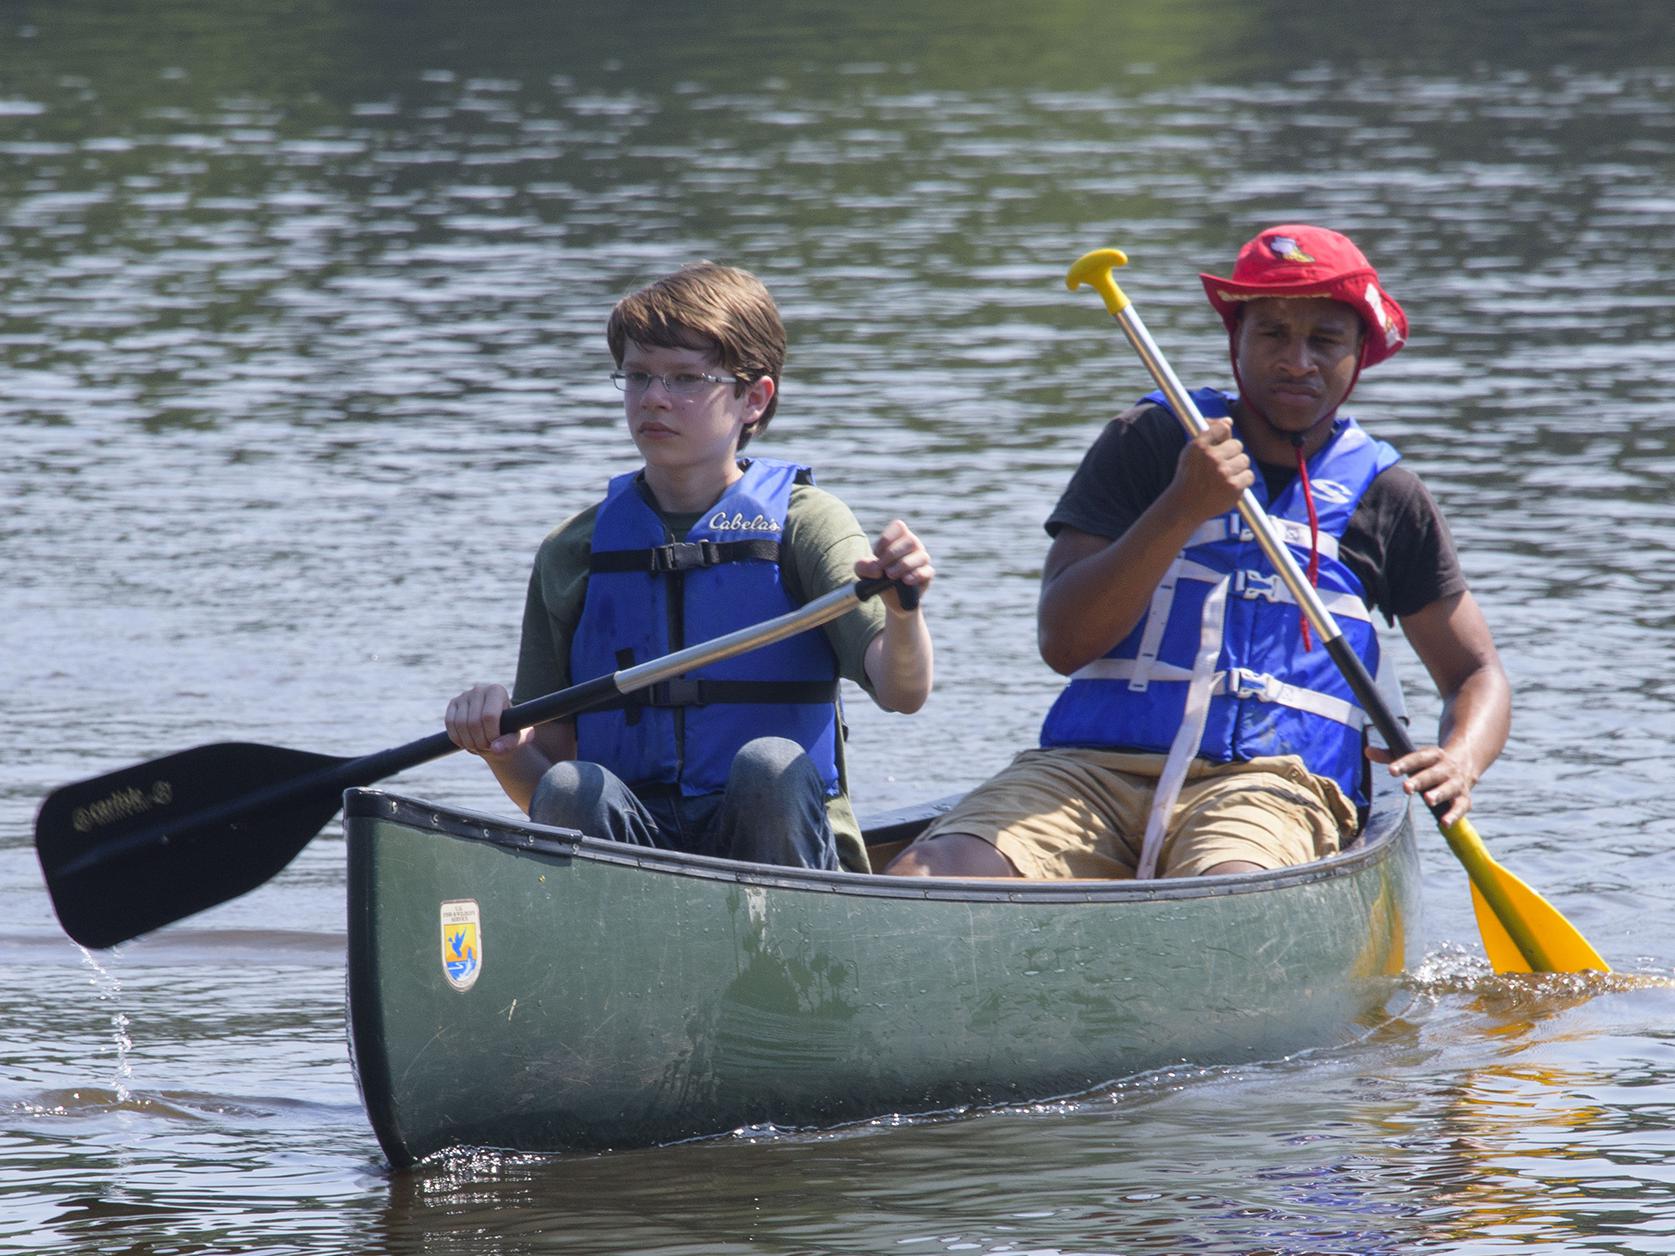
(1500, 1156)
(303, 355)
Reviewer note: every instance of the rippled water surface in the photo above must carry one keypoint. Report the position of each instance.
(303, 354)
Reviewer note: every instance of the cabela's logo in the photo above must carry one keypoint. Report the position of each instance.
(124, 804)
(721, 521)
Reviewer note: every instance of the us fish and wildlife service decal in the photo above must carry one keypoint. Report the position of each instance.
(462, 942)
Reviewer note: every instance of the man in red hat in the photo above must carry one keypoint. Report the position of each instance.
(1201, 730)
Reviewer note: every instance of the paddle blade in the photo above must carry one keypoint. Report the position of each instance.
(1567, 950)
(138, 848)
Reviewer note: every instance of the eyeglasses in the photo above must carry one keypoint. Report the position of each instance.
(676, 384)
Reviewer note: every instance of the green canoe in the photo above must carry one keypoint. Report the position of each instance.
(526, 988)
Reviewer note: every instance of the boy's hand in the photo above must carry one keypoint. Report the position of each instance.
(473, 721)
(898, 555)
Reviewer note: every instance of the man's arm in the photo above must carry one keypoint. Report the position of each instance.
(1452, 639)
(1094, 589)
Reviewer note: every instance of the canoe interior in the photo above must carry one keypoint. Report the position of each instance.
(626, 997)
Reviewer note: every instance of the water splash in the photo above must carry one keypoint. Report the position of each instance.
(1452, 969)
(109, 988)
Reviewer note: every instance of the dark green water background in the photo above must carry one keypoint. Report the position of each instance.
(303, 354)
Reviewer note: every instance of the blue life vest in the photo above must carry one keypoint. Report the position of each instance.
(648, 595)
(1222, 618)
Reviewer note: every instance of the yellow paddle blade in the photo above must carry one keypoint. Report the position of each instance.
(1508, 910)
(1567, 950)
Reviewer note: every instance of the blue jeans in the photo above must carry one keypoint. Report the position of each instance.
(772, 811)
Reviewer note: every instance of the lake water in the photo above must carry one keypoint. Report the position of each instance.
(303, 344)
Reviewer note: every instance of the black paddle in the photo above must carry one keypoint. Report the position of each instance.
(138, 848)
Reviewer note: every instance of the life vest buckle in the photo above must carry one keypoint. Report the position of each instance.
(680, 692)
(1257, 584)
(1244, 683)
(685, 555)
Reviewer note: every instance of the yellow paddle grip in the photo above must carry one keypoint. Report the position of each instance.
(1094, 270)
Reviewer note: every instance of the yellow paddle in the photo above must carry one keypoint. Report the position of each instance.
(1522, 932)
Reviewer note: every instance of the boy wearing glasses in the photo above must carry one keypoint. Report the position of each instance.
(743, 759)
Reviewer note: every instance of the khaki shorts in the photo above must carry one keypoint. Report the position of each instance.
(1068, 812)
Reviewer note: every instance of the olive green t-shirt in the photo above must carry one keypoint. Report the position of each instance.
(818, 550)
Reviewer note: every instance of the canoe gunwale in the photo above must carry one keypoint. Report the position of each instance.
(1391, 816)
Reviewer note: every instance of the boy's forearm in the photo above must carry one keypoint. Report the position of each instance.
(520, 771)
(901, 662)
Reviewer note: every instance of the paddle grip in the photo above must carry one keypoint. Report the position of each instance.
(907, 593)
(560, 705)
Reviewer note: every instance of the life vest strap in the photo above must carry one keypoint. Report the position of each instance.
(683, 691)
(1190, 733)
(684, 556)
(1239, 682)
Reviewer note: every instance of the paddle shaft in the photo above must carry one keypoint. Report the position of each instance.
(333, 779)
(1461, 837)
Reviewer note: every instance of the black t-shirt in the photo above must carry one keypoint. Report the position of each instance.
(1397, 542)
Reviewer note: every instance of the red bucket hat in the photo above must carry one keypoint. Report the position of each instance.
(1296, 260)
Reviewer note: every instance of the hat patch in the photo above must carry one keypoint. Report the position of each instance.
(1376, 305)
(1285, 249)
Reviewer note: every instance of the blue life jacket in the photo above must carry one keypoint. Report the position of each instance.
(1222, 619)
(648, 595)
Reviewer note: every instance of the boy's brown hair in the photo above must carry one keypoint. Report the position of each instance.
(720, 309)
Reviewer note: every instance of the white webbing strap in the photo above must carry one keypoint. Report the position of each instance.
(1191, 731)
(1244, 683)
(1292, 532)
(1250, 583)
(1296, 535)
(1157, 619)
(1124, 669)
(1157, 616)
(1241, 682)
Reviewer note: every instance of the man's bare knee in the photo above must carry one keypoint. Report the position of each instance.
(951, 855)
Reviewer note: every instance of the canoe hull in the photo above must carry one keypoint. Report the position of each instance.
(625, 998)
